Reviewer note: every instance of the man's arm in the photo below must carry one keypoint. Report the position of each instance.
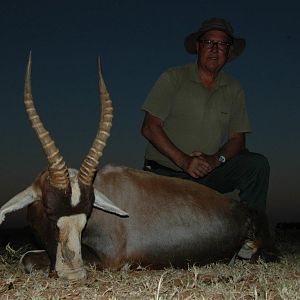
(236, 143)
(152, 129)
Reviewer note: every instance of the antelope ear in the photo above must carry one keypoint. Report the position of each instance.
(103, 203)
(19, 201)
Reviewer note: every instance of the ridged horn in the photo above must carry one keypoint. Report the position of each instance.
(58, 171)
(90, 163)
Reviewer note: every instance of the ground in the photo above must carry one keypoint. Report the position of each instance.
(215, 281)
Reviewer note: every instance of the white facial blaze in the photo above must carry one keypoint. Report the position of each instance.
(69, 262)
(75, 187)
(75, 192)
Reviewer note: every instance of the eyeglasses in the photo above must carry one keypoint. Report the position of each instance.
(221, 45)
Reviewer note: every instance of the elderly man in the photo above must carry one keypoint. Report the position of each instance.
(196, 120)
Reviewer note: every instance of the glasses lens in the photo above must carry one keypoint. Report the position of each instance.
(221, 45)
(207, 43)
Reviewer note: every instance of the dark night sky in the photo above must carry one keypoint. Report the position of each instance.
(137, 40)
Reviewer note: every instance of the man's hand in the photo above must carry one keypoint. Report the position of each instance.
(199, 164)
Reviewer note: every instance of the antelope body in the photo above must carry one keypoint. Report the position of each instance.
(171, 221)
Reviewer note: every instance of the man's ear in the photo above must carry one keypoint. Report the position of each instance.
(230, 50)
(197, 46)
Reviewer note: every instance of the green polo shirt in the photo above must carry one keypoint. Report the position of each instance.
(194, 118)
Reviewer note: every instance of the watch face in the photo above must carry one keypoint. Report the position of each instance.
(222, 159)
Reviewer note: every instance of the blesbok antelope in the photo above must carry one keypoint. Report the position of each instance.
(171, 221)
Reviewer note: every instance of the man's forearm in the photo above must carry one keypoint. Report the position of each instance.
(152, 130)
(158, 138)
(234, 146)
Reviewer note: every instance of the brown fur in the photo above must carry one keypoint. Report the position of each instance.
(171, 221)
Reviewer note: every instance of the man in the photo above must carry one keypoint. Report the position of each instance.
(196, 120)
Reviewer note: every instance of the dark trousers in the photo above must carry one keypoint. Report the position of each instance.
(247, 172)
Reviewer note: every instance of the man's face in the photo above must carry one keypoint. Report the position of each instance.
(213, 49)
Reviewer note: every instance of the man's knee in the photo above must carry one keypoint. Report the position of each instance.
(257, 162)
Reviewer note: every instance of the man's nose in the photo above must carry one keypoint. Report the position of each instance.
(215, 47)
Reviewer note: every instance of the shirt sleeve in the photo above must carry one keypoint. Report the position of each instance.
(159, 100)
(239, 121)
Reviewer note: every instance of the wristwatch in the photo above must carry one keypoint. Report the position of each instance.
(221, 159)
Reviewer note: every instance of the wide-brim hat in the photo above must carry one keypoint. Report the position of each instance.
(238, 44)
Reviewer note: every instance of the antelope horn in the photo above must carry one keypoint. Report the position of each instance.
(90, 163)
(58, 171)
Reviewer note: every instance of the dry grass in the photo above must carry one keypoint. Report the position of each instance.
(215, 281)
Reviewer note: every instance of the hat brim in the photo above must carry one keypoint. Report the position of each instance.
(238, 45)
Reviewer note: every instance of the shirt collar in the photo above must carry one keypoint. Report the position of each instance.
(222, 78)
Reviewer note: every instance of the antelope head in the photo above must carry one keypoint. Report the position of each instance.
(60, 200)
